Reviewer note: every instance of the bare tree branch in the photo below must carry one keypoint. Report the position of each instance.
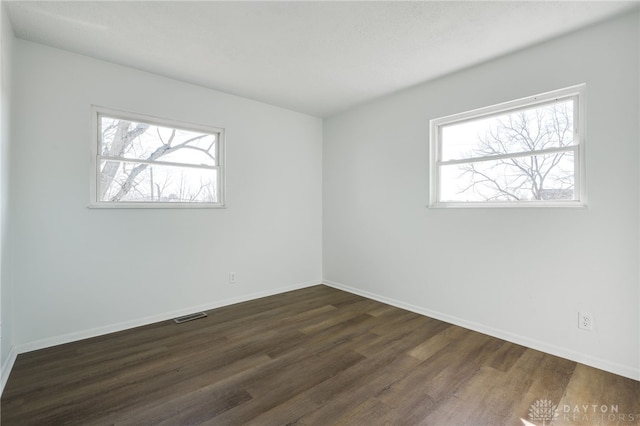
(165, 149)
(541, 176)
(122, 140)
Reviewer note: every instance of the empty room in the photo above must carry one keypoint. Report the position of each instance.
(320, 212)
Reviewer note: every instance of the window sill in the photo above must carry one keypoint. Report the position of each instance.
(156, 206)
(507, 205)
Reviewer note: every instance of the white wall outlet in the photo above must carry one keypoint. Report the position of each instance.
(232, 277)
(585, 321)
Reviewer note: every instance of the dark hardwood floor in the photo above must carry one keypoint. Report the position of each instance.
(316, 356)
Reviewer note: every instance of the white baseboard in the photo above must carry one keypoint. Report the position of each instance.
(112, 328)
(602, 364)
(7, 366)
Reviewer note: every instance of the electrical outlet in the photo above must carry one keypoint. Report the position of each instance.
(585, 321)
(232, 277)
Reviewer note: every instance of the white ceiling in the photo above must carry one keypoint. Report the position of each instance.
(318, 58)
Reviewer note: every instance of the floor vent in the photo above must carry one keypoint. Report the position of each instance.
(190, 317)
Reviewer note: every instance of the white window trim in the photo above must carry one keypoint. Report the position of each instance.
(96, 111)
(577, 92)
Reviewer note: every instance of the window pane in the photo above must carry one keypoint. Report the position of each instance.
(539, 177)
(143, 141)
(533, 129)
(140, 182)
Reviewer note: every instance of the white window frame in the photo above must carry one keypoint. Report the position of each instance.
(97, 111)
(577, 93)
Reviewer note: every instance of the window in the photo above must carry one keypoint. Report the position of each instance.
(142, 161)
(528, 152)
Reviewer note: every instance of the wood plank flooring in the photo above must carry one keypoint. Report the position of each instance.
(317, 356)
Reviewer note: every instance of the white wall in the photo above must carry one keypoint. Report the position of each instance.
(520, 274)
(81, 271)
(7, 355)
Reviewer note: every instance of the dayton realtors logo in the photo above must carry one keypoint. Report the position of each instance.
(597, 413)
(543, 412)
